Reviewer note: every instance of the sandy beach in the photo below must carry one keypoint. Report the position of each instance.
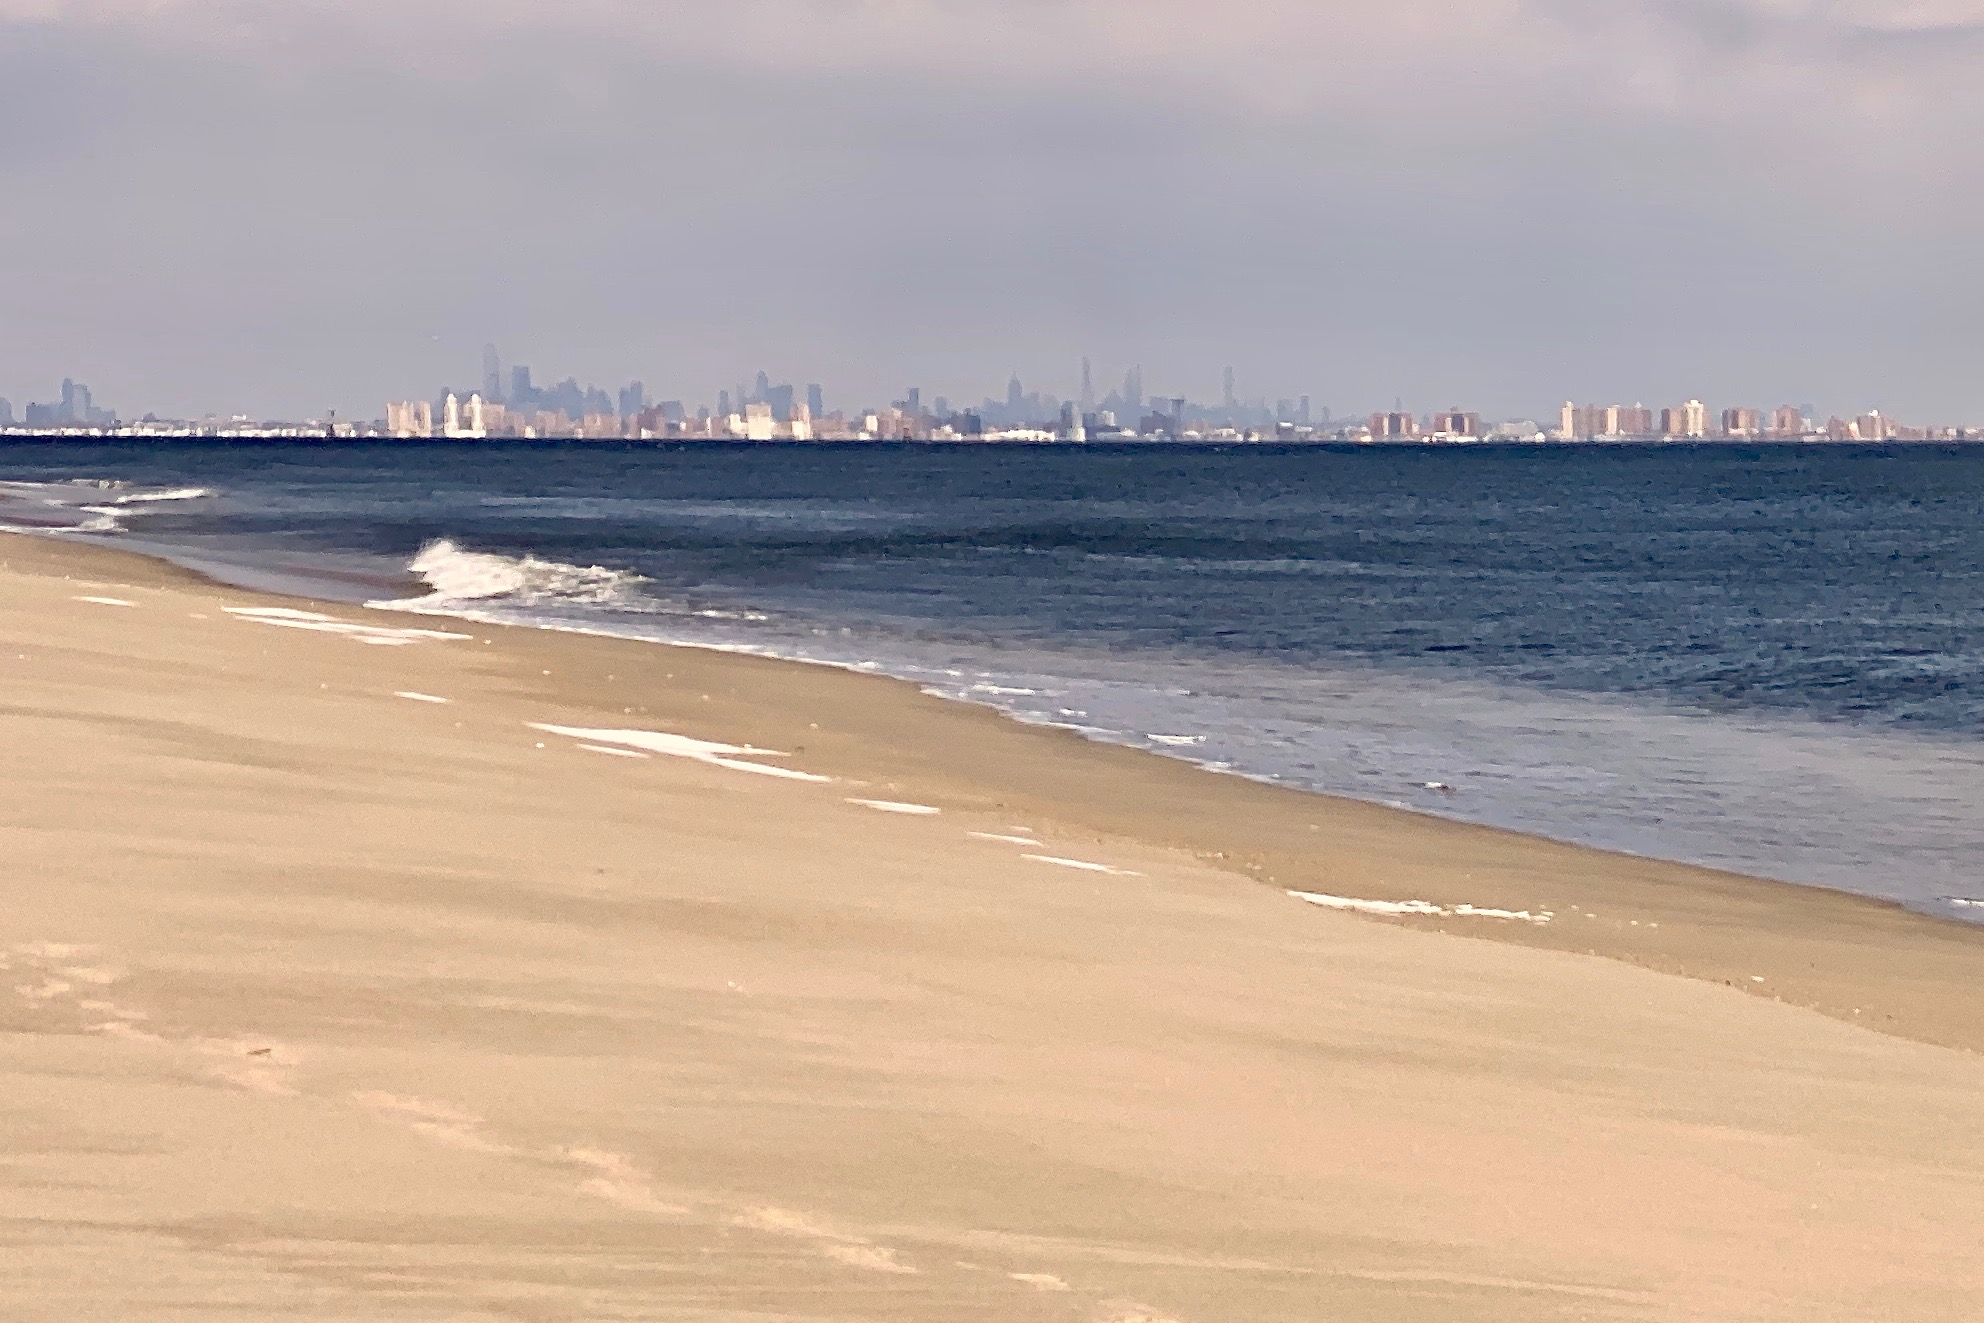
(362, 965)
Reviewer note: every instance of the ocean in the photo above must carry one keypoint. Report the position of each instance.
(1762, 658)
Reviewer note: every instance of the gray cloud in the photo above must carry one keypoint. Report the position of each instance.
(274, 207)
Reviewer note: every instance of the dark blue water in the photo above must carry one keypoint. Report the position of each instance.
(1770, 658)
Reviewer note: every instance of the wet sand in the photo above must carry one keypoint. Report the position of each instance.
(338, 987)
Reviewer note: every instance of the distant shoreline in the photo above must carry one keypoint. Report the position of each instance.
(309, 438)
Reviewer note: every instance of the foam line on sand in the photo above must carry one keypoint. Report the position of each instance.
(617, 753)
(418, 697)
(290, 618)
(670, 745)
(891, 806)
(1394, 909)
(1082, 864)
(106, 601)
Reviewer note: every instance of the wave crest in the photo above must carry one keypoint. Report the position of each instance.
(456, 575)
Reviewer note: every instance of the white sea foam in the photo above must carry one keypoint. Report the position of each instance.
(1967, 902)
(108, 504)
(291, 618)
(170, 494)
(891, 806)
(682, 746)
(1082, 864)
(1417, 908)
(419, 697)
(457, 576)
(1177, 741)
(106, 601)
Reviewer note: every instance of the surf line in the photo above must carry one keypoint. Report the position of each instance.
(1400, 909)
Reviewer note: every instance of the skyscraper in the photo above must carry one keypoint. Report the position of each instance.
(492, 374)
(521, 391)
(1015, 394)
(1088, 388)
(633, 399)
(816, 400)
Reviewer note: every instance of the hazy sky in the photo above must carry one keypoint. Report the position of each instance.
(277, 205)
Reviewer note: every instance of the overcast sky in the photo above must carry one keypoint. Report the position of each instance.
(274, 206)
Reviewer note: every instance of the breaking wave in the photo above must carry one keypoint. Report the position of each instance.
(458, 576)
(86, 505)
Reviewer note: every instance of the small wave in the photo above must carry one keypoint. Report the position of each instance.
(171, 494)
(106, 503)
(456, 575)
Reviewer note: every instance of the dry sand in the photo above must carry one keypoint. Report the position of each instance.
(325, 1000)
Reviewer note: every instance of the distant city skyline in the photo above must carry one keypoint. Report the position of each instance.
(510, 401)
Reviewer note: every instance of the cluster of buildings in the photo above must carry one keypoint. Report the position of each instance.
(76, 409)
(512, 404)
(1693, 421)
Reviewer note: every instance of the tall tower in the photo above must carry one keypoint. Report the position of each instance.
(492, 375)
(1088, 387)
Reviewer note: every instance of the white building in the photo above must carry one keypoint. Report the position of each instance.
(410, 418)
(1695, 423)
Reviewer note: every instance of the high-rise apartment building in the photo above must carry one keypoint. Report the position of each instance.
(1696, 415)
(1874, 426)
(410, 418)
(1741, 422)
(1787, 420)
(816, 400)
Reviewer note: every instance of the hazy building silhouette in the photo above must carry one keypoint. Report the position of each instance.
(492, 374)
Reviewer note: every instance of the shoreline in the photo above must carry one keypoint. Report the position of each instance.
(363, 971)
(411, 595)
(1614, 913)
